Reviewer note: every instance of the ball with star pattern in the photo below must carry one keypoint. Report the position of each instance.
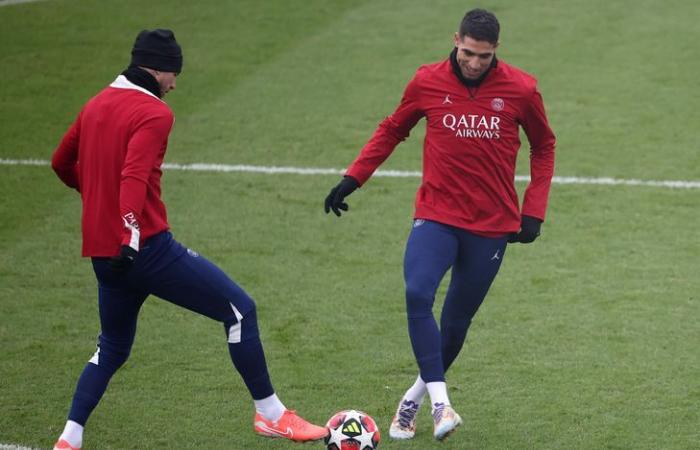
(351, 430)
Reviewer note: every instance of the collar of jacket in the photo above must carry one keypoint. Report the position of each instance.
(143, 79)
(466, 81)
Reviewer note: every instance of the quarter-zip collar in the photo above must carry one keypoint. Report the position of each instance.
(472, 85)
(143, 79)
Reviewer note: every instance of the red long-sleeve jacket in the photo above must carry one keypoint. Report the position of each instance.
(112, 154)
(470, 148)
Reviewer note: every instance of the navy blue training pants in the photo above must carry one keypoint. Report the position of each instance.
(433, 248)
(168, 270)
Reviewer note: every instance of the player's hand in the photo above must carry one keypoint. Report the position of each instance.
(529, 230)
(335, 199)
(124, 260)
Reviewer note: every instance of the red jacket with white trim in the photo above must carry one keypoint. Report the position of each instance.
(112, 155)
(470, 148)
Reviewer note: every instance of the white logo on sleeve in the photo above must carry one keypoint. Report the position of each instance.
(447, 100)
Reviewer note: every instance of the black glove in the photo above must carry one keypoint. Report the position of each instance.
(124, 261)
(335, 198)
(529, 230)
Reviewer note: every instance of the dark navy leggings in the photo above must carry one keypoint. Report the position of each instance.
(431, 250)
(168, 270)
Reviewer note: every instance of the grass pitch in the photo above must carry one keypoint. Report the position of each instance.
(588, 338)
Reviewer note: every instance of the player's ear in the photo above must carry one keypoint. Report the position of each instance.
(457, 40)
(495, 46)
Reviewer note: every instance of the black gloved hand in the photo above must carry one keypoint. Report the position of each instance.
(124, 260)
(529, 230)
(335, 198)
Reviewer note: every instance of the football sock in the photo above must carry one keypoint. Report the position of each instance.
(271, 408)
(416, 393)
(438, 392)
(73, 434)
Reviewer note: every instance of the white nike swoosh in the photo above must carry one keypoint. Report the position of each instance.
(266, 429)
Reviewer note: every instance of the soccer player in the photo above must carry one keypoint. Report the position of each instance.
(467, 207)
(112, 155)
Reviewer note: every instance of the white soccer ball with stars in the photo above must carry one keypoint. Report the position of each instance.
(351, 430)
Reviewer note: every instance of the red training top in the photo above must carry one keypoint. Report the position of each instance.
(470, 147)
(112, 155)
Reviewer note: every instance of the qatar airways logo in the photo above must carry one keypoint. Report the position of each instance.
(473, 125)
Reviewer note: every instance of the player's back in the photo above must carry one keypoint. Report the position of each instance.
(107, 124)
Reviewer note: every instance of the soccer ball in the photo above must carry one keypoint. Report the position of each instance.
(351, 430)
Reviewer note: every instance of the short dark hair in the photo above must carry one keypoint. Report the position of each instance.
(480, 25)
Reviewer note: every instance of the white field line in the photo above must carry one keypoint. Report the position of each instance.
(203, 167)
(14, 2)
(13, 446)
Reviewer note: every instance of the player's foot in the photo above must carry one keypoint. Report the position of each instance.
(446, 420)
(403, 425)
(62, 444)
(289, 426)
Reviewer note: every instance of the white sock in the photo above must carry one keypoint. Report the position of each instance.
(73, 434)
(438, 392)
(271, 408)
(416, 393)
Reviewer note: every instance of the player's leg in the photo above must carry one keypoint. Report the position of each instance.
(430, 251)
(469, 283)
(478, 262)
(476, 266)
(189, 280)
(193, 282)
(119, 306)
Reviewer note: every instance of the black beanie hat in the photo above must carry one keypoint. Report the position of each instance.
(157, 50)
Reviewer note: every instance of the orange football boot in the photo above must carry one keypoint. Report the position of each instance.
(289, 426)
(62, 444)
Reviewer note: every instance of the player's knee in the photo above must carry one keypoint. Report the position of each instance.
(454, 331)
(110, 356)
(239, 304)
(244, 327)
(419, 300)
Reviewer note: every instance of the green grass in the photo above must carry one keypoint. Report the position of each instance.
(588, 338)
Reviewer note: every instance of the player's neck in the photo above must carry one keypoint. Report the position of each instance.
(468, 82)
(141, 78)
